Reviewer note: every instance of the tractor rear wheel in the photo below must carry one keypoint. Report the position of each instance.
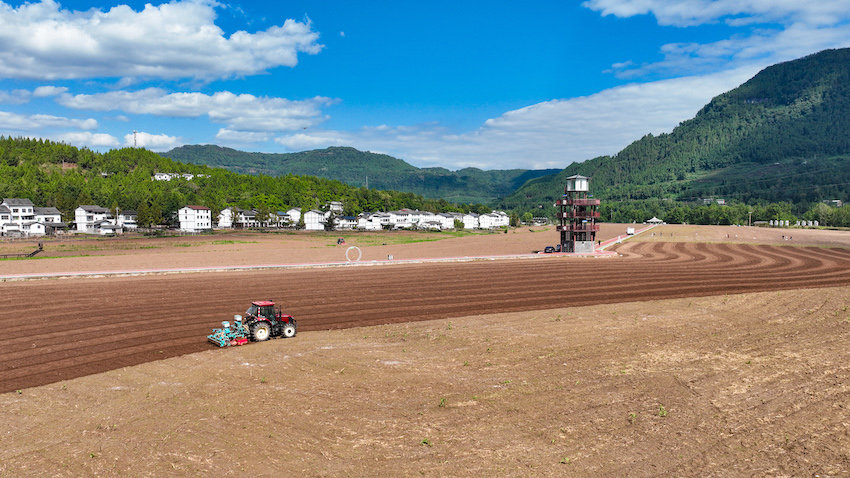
(261, 331)
(289, 330)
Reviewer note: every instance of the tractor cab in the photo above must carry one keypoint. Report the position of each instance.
(263, 308)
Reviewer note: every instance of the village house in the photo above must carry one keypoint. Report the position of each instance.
(335, 207)
(447, 219)
(195, 218)
(369, 221)
(493, 220)
(19, 212)
(314, 220)
(47, 214)
(470, 221)
(225, 218)
(345, 223)
(292, 216)
(48, 220)
(128, 220)
(246, 218)
(14, 213)
(94, 219)
(170, 176)
(5, 218)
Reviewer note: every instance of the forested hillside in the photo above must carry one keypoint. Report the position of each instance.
(783, 136)
(362, 168)
(54, 174)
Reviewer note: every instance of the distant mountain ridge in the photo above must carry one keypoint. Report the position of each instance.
(783, 136)
(362, 168)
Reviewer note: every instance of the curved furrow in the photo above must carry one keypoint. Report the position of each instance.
(101, 324)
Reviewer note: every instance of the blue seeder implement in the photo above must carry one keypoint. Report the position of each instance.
(236, 334)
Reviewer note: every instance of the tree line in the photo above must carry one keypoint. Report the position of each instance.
(65, 177)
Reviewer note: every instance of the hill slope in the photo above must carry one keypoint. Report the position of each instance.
(361, 168)
(781, 136)
(62, 176)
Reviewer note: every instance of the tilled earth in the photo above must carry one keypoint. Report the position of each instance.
(87, 326)
(671, 359)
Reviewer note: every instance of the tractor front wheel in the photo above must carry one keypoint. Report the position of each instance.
(289, 330)
(261, 331)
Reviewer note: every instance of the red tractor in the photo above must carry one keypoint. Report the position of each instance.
(264, 320)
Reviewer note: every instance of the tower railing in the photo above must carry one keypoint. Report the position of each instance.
(578, 215)
(577, 202)
(578, 228)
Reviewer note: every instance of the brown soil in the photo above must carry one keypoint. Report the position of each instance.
(235, 248)
(670, 359)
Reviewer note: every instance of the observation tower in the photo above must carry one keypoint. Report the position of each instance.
(578, 217)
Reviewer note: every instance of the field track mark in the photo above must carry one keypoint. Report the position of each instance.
(88, 326)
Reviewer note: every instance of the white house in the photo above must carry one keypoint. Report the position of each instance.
(225, 217)
(195, 218)
(170, 176)
(238, 218)
(489, 221)
(334, 207)
(47, 214)
(274, 219)
(369, 222)
(431, 225)
(246, 218)
(314, 220)
(50, 220)
(401, 219)
(386, 219)
(5, 218)
(502, 219)
(294, 216)
(418, 219)
(86, 216)
(19, 212)
(128, 219)
(345, 223)
(106, 226)
(447, 219)
(34, 228)
(470, 220)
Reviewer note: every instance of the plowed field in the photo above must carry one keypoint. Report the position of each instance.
(694, 351)
(85, 326)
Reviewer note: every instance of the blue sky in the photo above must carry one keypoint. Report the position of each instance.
(494, 85)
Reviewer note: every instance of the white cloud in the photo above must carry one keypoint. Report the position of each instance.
(88, 140)
(59, 122)
(551, 134)
(35, 122)
(777, 30)
(174, 40)
(46, 91)
(683, 13)
(320, 139)
(15, 97)
(241, 137)
(243, 112)
(153, 142)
